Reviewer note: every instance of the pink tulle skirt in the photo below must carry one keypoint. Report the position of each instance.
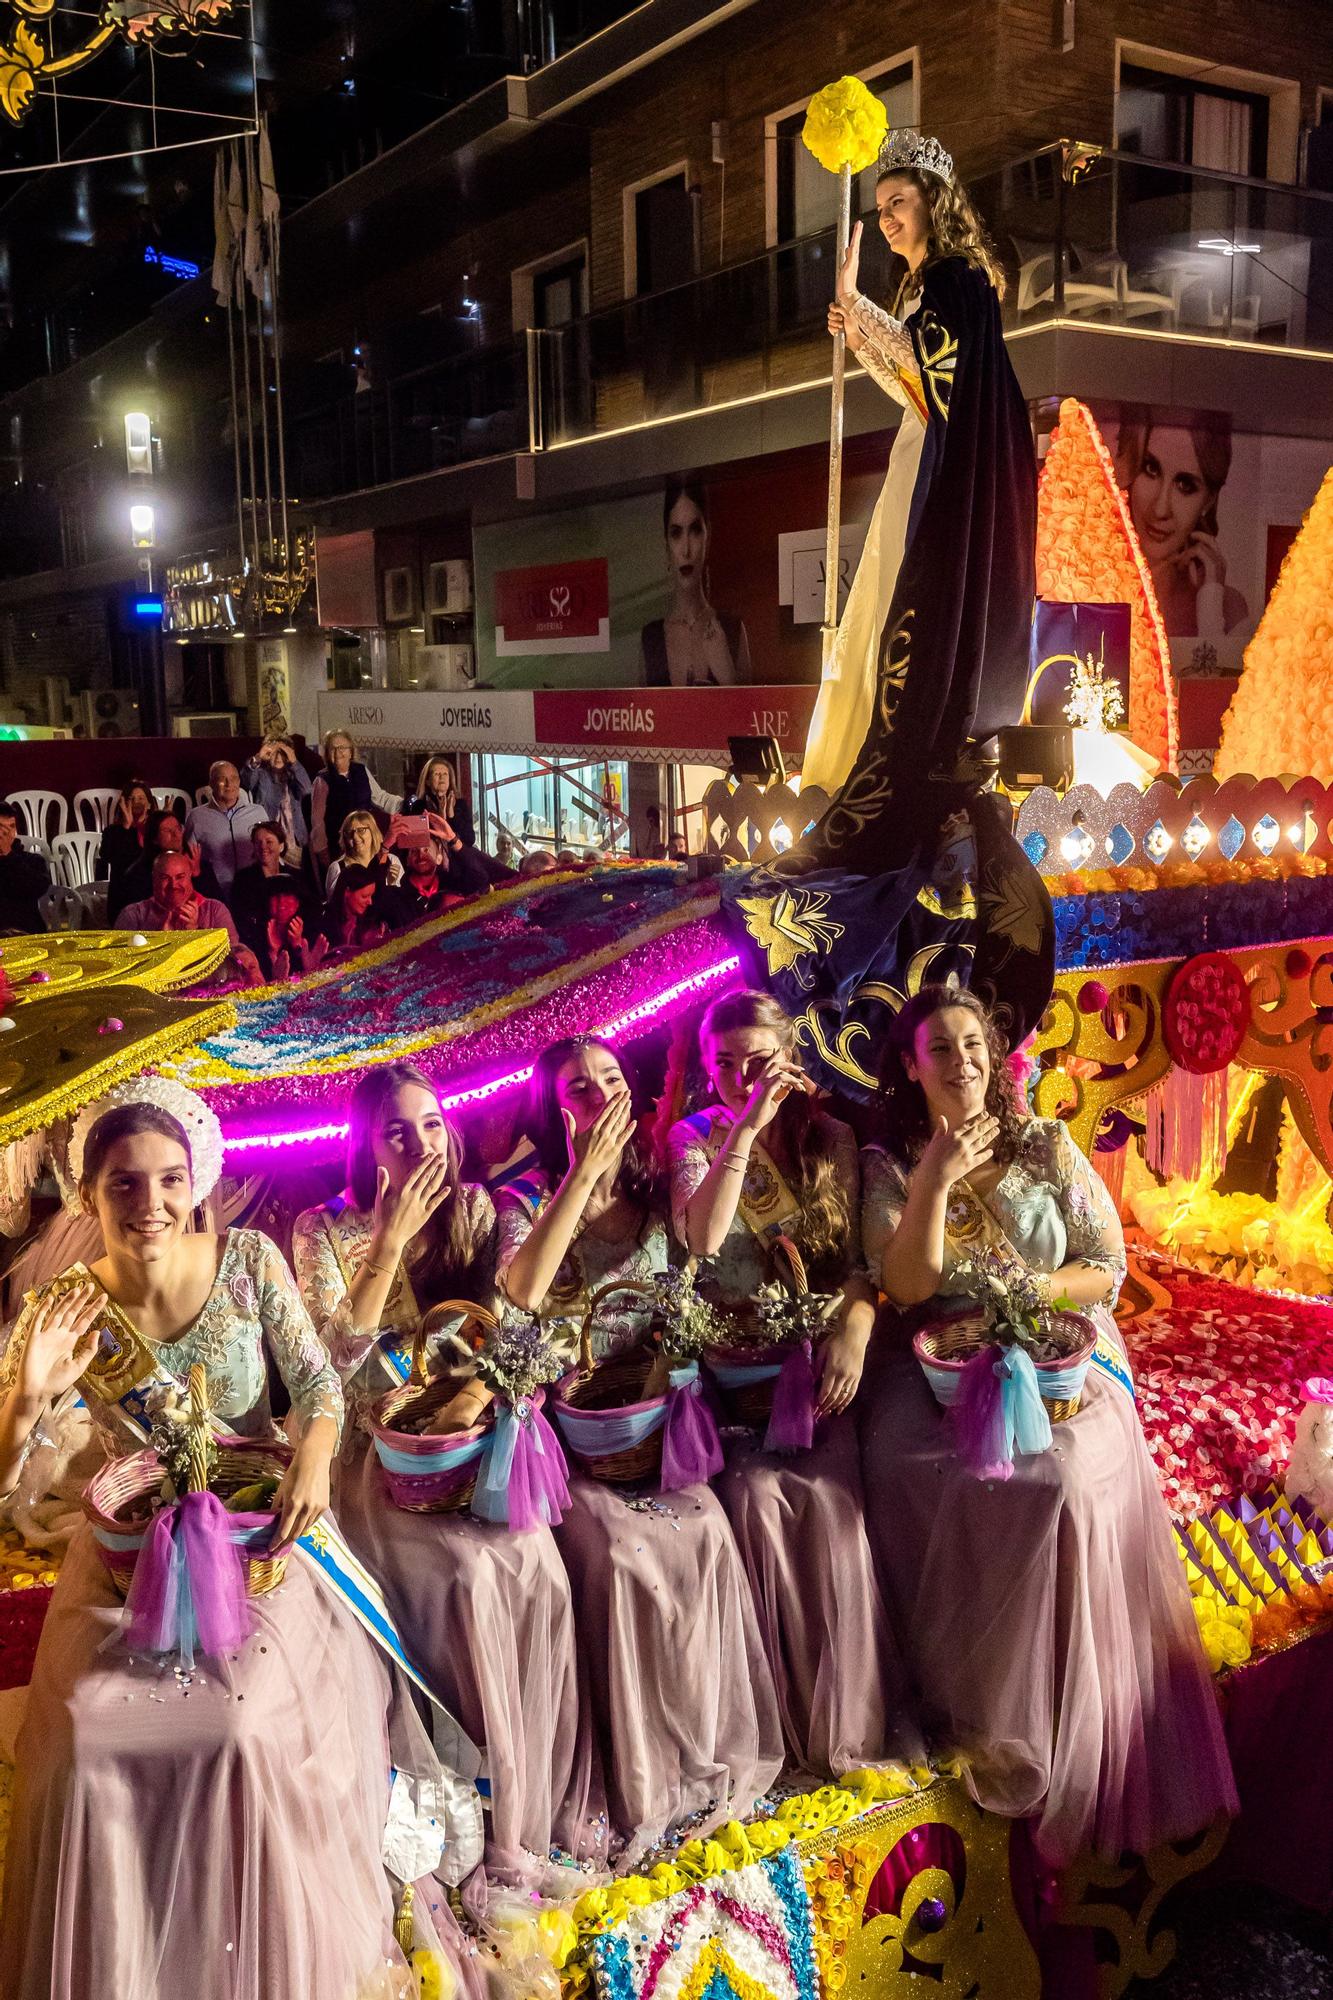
(669, 1642)
(488, 1619)
(1047, 1619)
(217, 1836)
(842, 1692)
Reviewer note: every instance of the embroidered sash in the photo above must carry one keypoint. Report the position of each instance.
(971, 1224)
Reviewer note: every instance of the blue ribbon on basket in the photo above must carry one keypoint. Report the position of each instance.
(999, 1408)
(524, 1480)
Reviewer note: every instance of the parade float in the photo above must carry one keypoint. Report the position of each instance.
(1193, 993)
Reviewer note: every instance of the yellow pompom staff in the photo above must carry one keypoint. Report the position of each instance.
(844, 128)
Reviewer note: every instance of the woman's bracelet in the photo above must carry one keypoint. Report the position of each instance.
(380, 1270)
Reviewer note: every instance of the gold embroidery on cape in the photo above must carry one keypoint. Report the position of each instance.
(1014, 906)
(789, 926)
(939, 353)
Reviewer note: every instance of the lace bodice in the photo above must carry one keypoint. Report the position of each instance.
(887, 353)
(593, 1260)
(329, 1246)
(1052, 1205)
(253, 1310)
(735, 1272)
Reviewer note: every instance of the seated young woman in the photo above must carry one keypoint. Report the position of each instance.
(486, 1614)
(765, 1161)
(1047, 1616)
(215, 1831)
(680, 1690)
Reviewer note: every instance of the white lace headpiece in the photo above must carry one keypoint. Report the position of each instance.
(200, 1123)
(905, 148)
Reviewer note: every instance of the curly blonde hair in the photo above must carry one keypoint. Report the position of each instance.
(956, 230)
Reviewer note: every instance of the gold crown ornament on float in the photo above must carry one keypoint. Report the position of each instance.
(44, 42)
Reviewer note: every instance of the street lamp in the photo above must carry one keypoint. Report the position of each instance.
(142, 534)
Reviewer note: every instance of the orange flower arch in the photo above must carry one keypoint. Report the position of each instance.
(1088, 553)
(1281, 715)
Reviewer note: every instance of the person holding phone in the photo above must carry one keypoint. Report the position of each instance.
(276, 779)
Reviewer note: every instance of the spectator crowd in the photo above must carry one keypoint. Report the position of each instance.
(293, 870)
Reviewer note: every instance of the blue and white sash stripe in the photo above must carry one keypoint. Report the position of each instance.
(1107, 1357)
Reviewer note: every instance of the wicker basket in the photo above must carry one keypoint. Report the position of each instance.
(745, 1378)
(613, 1390)
(430, 1472)
(116, 1500)
(945, 1348)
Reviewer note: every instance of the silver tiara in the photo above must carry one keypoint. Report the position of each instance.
(906, 148)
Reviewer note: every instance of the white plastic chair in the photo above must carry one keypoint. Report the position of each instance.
(94, 808)
(171, 799)
(75, 857)
(35, 810)
(203, 795)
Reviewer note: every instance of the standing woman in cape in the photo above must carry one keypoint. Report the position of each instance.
(946, 319)
(931, 658)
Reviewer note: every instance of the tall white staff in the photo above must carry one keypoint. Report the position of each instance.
(844, 129)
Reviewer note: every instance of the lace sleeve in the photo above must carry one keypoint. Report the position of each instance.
(514, 1220)
(302, 1358)
(887, 347)
(688, 1162)
(324, 1293)
(883, 1197)
(1091, 1222)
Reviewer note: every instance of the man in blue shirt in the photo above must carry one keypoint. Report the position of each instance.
(223, 829)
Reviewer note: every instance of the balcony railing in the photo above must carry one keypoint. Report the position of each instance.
(1124, 242)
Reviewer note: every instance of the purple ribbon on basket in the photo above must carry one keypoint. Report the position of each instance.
(691, 1447)
(791, 1419)
(524, 1480)
(188, 1588)
(999, 1410)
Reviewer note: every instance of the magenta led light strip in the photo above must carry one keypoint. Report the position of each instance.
(623, 1025)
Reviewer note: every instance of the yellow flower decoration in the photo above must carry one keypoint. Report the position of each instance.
(845, 126)
(1281, 717)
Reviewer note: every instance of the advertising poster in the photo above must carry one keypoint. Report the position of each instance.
(715, 579)
(1205, 499)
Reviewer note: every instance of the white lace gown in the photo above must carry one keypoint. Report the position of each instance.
(847, 691)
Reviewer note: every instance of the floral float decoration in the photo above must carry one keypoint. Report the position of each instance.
(1281, 715)
(1088, 553)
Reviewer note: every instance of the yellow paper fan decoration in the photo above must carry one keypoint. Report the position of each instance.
(1281, 715)
(845, 126)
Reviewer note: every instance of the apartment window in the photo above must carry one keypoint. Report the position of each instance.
(804, 195)
(557, 293)
(663, 235)
(660, 230)
(1170, 117)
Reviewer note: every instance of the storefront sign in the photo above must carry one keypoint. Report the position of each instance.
(681, 724)
(473, 721)
(672, 722)
(801, 570)
(553, 608)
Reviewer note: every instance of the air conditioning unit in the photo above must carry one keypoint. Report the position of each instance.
(109, 712)
(216, 722)
(55, 700)
(449, 588)
(400, 596)
(446, 669)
